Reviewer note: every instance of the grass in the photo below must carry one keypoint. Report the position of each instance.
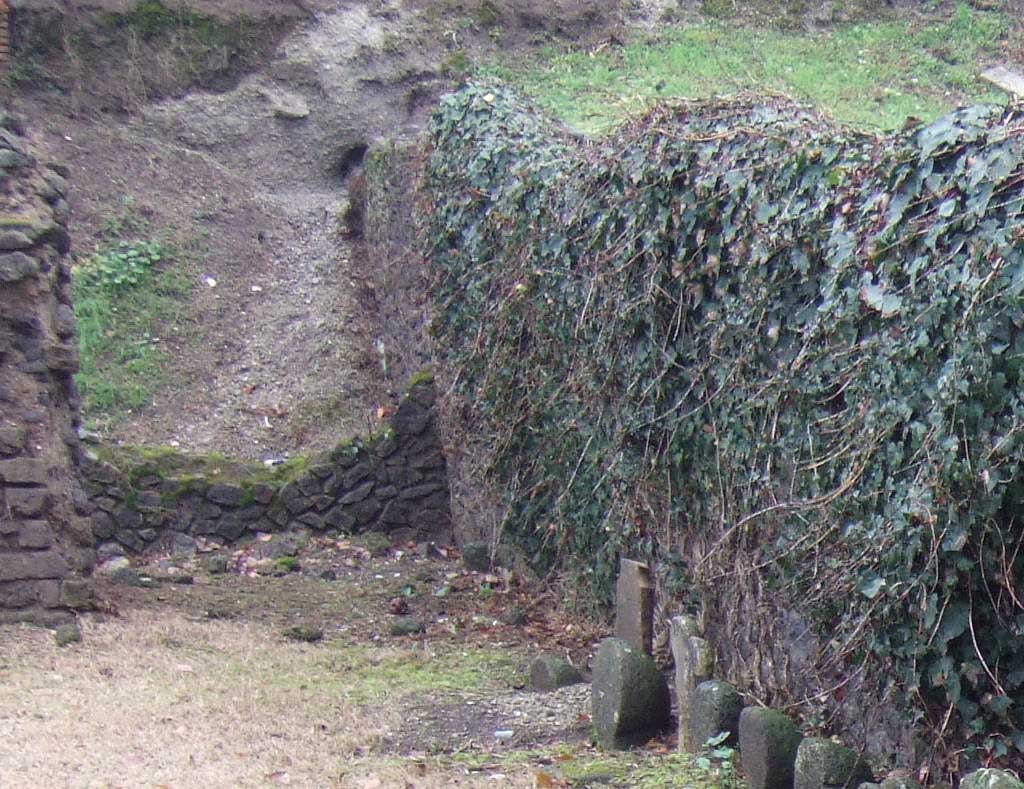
(873, 74)
(213, 467)
(153, 698)
(125, 294)
(119, 343)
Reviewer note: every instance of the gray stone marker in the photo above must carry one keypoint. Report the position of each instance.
(1006, 79)
(551, 672)
(634, 605)
(630, 698)
(990, 778)
(716, 709)
(768, 744)
(822, 764)
(695, 660)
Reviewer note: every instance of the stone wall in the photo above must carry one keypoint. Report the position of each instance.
(46, 544)
(395, 482)
(400, 300)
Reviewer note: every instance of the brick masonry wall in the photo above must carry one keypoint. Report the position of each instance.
(395, 483)
(46, 545)
(5, 36)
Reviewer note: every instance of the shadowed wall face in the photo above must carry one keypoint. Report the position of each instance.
(46, 540)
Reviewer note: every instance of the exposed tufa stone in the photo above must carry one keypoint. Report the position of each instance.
(768, 744)
(16, 266)
(822, 763)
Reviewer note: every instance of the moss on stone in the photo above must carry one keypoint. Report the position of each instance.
(422, 377)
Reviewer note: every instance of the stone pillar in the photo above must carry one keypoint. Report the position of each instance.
(695, 660)
(634, 605)
(46, 545)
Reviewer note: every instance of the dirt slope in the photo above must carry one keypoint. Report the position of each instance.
(278, 355)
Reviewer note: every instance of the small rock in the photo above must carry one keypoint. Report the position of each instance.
(286, 105)
(899, 779)
(304, 633)
(824, 763)
(406, 626)
(113, 565)
(476, 556)
(216, 564)
(276, 548)
(550, 672)
(376, 543)
(67, 634)
(127, 576)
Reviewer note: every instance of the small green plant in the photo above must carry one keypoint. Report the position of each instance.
(126, 294)
(121, 265)
(456, 65)
(718, 760)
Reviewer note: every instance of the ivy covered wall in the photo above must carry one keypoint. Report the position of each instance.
(778, 357)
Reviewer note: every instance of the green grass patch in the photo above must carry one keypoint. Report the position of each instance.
(124, 293)
(368, 675)
(874, 74)
(191, 469)
(583, 766)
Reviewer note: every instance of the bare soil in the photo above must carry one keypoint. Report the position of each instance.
(277, 351)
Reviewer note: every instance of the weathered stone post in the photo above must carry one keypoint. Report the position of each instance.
(695, 660)
(630, 698)
(634, 605)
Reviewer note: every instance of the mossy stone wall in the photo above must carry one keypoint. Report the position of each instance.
(46, 554)
(394, 482)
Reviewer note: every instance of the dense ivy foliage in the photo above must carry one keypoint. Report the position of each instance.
(738, 321)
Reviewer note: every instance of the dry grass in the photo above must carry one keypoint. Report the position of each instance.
(153, 699)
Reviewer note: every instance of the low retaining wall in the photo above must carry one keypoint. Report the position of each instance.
(395, 482)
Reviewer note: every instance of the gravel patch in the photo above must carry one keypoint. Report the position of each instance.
(521, 719)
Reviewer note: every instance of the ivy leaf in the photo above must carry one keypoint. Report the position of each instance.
(954, 622)
(877, 299)
(998, 704)
(942, 132)
(871, 586)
